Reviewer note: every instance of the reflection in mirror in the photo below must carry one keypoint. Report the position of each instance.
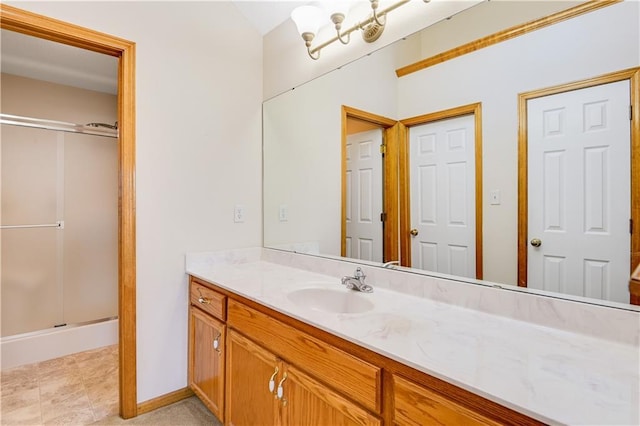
(302, 151)
(443, 155)
(363, 222)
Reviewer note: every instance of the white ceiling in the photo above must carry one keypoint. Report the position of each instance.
(265, 15)
(40, 59)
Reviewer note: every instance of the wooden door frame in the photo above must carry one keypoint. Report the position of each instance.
(405, 198)
(21, 21)
(631, 74)
(390, 170)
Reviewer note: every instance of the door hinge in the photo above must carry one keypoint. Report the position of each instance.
(383, 149)
(631, 226)
(630, 112)
(383, 217)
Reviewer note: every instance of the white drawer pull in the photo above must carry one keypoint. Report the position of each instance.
(272, 381)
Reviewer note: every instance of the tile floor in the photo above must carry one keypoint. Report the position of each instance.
(77, 389)
(188, 412)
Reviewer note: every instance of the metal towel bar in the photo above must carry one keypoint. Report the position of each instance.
(59, 224)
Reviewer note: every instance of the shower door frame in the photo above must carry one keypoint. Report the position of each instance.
(21, 21)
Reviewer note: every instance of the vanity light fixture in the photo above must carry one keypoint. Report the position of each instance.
(308, 20)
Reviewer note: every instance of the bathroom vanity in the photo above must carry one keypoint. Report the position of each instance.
(274, 338)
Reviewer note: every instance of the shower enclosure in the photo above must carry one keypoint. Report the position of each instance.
(59, 216)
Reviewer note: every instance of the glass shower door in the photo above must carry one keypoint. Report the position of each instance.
(31, 267)
(52, 276)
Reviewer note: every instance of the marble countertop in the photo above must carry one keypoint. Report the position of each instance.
(552, 375)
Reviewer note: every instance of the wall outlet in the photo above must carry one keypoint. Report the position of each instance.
(283, 213)
(238, 213)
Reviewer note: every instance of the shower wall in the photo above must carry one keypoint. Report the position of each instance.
(55, 276)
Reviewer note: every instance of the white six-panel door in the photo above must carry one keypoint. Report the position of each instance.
(579, 192)
(364, 196)
(442, 179)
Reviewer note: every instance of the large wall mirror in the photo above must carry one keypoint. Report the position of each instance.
(476, 148)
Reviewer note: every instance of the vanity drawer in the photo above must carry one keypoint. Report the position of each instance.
(418, 405)
(208, 300)
(347, 374)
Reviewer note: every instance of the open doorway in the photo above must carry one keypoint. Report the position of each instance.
(14, 19)
(368, 230)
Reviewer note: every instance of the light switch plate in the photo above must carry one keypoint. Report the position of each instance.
(283, 213)
(238, 213)
(494, 197)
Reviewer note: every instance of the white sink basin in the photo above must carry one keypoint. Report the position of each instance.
(341, 301)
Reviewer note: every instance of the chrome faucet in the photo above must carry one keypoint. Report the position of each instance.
(356, 282)
(390, 264)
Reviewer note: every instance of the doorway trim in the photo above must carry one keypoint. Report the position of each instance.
(390, 180)
(405, 198)
(631, 74)
(21, 21)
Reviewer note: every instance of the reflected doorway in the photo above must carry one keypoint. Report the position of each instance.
(578, 187)
(368, 169)
(364, 216)
(441, 192)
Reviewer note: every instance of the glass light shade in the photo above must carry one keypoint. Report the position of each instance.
(307, 19)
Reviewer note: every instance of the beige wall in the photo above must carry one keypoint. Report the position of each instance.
(49, 176)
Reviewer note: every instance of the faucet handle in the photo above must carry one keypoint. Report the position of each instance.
(359, 273)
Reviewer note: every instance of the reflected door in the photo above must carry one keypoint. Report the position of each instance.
(442, 180)
(364, 228)
(579, 192)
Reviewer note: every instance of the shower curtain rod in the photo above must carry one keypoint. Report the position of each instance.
(89, 129)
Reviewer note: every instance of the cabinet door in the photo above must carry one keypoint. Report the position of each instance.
(207, 360)
(417, 405)
(249, 400)
(305, 402)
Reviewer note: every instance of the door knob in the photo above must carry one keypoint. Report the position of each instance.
(536, 242)
(414, 232)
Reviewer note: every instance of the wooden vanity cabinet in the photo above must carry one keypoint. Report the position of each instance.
(306, 401)
(207, 341)
(279, 393)
(249, 400)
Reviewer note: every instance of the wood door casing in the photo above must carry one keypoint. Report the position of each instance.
(631, 74)
(206, 375)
